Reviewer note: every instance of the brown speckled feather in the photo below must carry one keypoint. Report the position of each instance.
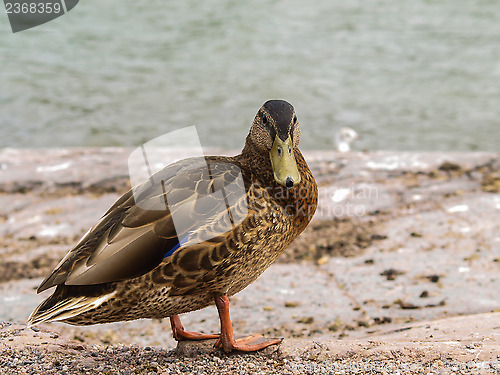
(132, 237)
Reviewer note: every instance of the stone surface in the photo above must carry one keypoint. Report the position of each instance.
(429, 252)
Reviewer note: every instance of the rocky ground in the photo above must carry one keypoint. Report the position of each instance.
(399, 271)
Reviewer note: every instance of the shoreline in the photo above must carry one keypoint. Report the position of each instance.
(422, 250)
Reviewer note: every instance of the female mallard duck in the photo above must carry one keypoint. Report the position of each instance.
(145, 261)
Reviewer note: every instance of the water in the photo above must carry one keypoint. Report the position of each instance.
(407, 75)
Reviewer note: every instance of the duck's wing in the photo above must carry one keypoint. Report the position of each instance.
(183, 205)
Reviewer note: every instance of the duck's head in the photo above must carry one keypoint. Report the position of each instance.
(275, 132)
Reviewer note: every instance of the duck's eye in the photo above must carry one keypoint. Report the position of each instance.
(294, 119)
(264, 119)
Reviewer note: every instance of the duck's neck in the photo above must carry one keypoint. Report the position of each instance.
(252, 157)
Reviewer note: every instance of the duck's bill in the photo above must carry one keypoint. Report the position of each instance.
(283, 162)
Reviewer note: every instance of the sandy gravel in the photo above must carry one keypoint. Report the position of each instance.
(461, 345)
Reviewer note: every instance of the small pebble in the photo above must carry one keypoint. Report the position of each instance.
(306, 320)
(433, 278)
(323, 260)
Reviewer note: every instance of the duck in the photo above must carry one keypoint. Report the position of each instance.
(197, 232)
(343, 139)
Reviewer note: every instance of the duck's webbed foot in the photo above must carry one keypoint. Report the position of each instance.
(250, 343)
(180, 334)
(227, 342)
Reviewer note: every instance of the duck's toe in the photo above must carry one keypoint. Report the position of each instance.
(180, 334)
(250, 343)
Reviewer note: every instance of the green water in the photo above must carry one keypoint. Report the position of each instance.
(407, 75)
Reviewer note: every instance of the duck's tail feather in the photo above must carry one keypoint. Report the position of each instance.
(66, 309)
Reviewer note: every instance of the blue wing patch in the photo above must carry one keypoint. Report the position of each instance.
(172, 250)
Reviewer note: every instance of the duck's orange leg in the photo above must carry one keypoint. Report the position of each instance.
(180, 334)
(227, 341)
